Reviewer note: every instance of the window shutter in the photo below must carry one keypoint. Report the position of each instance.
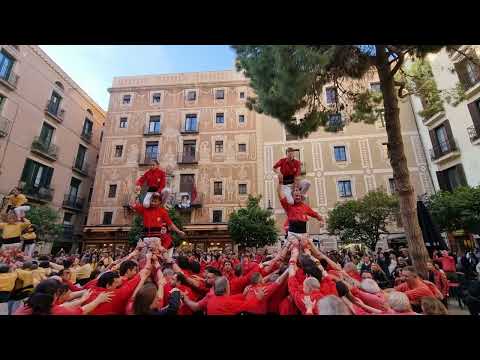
(434, 140)
(443, 181)
(451, 141)
(474, 109)
(461, 175)
(461, 69)
(47, 177)
(27, 171)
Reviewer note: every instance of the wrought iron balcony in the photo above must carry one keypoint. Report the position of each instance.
(187, 158)
(80, 168)
(4, 126)
(188, 130)
(54, 112)
(36, 193)
(48, 151)
(151, 132)
(73, 202)
(442, 149)
(473, 133)
(10, 80)
(87, 136)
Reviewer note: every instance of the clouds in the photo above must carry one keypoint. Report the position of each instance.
(94, 66)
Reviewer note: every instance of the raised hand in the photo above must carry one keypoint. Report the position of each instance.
(104, 296)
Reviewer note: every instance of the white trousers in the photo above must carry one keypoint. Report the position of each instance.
(287, 190)
(148, 197)
(20, 211)
(29, 249)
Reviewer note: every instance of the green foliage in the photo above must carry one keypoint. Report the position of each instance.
(252, 225)
(178, 221)
(46, 223)
(367, 107)
(456, 210)
(363, 220)
(136, 230)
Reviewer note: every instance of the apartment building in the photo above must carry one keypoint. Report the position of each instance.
(50, 134)
(452, 136)
(197, 126)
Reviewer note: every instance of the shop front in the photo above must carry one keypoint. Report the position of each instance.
(207, 238)
(106, 238)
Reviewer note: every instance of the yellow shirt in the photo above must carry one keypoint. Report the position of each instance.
(83, 272)
(29, 236)
(13, 230)
(38, 275)
(7, 281)
(73, 274)
(26, 276)
(18, 200)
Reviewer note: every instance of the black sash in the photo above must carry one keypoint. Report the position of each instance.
(299, 227)
(12, 240)
(288, 179)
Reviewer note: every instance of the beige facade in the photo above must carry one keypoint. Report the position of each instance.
(197, 126)
(47, 145)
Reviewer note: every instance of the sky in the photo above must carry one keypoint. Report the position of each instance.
(94, 66)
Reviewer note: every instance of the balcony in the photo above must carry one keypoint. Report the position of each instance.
(10, 80)
(444, 151)
(81, 169)
(48, 151)
(39, 194)
(187, 158)
(73, 202)
(147, 159)
(87, 136)
(186, 206)
(190, 131)
(473, 133)
(55, 113)
(4, 126)
(151, 132)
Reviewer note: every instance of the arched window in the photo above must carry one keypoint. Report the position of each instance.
(59, 85)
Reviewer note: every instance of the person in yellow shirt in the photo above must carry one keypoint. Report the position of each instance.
(83, 270)
(23, 286)
(7, 284)
(28, 238)
(16, 202)
(12, 231)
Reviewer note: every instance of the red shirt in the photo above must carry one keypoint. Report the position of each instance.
(296, 291)
(119, 300)
(71, 286)
(154, 178)
(448, 263)
(153, 217)
(289, 167)
(167, 241)
(441, 282)
(280, 293)
(91, 284)
(298, 211)
(354, 274)
(238, 283)
(226, 305)
(415, 294)
(257, 306)
(287, 307)
(56, 310)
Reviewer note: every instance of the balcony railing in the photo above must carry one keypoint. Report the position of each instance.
(473, 133)
(189, 130)
(151, 132)
(82, 169)
(73, 202)
(10, 80)
(56, 113)
(187, 158)
(4, 126)
(177, 200)
(40, 193)
(147, 159)
(442, 149)
(87, 136)
(48, 151)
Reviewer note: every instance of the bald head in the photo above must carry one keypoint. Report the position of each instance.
(221, 286)
(310, 284)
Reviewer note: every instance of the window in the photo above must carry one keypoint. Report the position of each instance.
(54, 103)
(335, 120)
(219, 94)
(345, 188)
(101, 136)
(219, 146)
(381, 118)
(242, 147)
(107, 218)
(217, 216)
(219, 118)
(80, 159)
(151, 150)
(242, 95)
(36, 175)
(468, 72)
(392, 186)
(189, 151)
(118, 150)
(191, 123)
(241, 119)
(375, 87)
(46, 134)
(112, 191)
(441, 141)
(87, 128)
(156, 97)
(340, 153)
(191, 95)
(217, 188)
(74, 190)
(154, 125)
(67, 218)
(123, 122)
(452, 178)
(126, 99)
(187, 182)
(331, 95)
(6, 64)
(2, 101)
(242, 189)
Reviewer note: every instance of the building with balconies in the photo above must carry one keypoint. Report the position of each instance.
(50, 132)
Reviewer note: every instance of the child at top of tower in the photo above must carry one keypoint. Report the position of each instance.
(155, 179)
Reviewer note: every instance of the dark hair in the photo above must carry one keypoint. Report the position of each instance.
(255, 278)
(43, 258)
(44, 264)
(310, 268)
(183, 262)
(213, 270)
(439, 263)
(238, 270)
(324, 263)
(411, 269)
(94, 274)
(41, 300)
(144, 298)
(4, 268)
(67, 263)
(107, 279)
(181, 278)
(62, 289)
(127, 265)
(195, 267)
(342, 289)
